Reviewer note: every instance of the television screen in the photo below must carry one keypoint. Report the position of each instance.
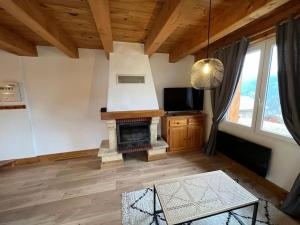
(183, 99)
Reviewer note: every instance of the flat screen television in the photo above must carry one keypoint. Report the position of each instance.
(183, 99)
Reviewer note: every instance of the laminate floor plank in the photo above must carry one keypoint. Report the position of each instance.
(76, 191)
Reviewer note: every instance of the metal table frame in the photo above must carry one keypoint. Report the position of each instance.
(156, 212)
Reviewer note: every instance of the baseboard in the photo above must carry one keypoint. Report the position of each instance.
(52, 157)
(6, 162)
(190, 150)
(282, 193)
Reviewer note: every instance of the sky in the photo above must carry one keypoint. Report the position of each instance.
(251, 64)
(274, 64)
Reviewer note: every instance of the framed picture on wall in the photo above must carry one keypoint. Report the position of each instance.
(10, 93)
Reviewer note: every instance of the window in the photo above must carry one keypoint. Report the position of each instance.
(256, 102)
(242, 105)
(272, 116)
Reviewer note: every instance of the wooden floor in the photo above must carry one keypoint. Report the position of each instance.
(76, 191)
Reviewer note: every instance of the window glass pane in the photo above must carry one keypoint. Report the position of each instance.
(272, 116)
(242, 105)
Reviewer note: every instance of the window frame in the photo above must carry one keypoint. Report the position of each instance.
(269, 43)
(253, 47)
(260, 94)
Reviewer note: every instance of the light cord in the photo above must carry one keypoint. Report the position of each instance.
(208, 30)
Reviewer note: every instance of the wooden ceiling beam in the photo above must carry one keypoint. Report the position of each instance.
(31, 14)
(166, 22)
(101, 15)
(257, 30)
(239, 14)
(13, 43)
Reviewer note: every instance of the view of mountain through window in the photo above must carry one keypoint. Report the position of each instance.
(272, 116)
(242, 105)
(256, 102)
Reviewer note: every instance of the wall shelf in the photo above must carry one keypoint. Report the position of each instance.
(9, 107)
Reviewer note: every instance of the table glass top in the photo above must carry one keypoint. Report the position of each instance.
(192, 197)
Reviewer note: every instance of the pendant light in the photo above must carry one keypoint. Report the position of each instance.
(207, 73)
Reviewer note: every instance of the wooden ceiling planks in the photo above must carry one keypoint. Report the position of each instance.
(101, 15)
(227, 22)
(9, 22)
(74, 16)
(31, 14)
(256, 30)
(131, 21)
(195, 22)
(13, 43)
(166, 22)
(76, 19)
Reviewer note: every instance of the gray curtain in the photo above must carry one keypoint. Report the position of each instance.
(233, 58)
(288, 44)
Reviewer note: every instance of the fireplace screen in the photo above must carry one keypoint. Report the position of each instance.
(133, 134)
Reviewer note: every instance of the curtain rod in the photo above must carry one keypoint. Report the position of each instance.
(295, 16)
(266, 33)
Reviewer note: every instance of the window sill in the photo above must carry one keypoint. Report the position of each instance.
(276, 136)
(226, 125)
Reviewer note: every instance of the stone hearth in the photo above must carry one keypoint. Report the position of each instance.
(109, 153)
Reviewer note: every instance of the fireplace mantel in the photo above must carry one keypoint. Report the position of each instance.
(111, 150)
(131, 114)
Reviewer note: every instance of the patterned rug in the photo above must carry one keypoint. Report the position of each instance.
(137, 209)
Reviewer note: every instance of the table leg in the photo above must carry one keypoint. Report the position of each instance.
(236, 217)
(154, 206)
(254, 213)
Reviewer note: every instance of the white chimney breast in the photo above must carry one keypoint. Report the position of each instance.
(129, 59)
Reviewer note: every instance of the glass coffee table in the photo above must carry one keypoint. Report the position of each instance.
(196, 197)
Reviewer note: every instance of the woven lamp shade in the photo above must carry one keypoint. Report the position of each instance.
(207, 74)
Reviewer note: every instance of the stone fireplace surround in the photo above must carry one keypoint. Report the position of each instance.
(108, 151)
(133, 134)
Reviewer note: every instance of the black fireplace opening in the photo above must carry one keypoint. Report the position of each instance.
(133, 135)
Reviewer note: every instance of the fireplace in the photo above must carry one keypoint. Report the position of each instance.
(133, 134)
(131, 131)
(132, 112)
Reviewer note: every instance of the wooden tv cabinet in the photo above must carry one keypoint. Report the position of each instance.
(183, 132)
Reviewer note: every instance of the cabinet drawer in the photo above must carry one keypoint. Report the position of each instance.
(178, 122)
(195, 121)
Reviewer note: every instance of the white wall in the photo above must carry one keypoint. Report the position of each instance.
(285, 160)
(129, 59)
(15, 127)
(59, 89)
(167, 74)
(64, 97)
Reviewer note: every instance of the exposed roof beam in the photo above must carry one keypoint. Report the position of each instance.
(257, 30)
(101, 14)
(30, 13)
(13, 43)
(238, 15)
(166, 22)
